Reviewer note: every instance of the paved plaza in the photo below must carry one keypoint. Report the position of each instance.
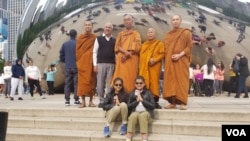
(220, 103)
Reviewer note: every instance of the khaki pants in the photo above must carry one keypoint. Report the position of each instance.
(143, 118)
(118, 113)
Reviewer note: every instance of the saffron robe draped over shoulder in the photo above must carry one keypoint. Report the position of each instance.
(128, 40)
(84, 61)
(151, 49)
(176, 73)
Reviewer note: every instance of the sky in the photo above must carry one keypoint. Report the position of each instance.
(244, 0)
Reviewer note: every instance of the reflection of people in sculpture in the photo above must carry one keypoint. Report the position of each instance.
(84, 60)
(178, 45)
(127, 47)
(210, 51)
(241, 37)
(221, 44)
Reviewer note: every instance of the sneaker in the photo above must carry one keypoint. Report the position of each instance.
(106, 131)
(11, 98)
(246, 96)
(20, 98)
(123, 129)
(77, 102)
(43, 97)
(32, 98)
(67, 103)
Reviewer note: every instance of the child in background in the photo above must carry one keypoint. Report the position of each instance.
(50, 78)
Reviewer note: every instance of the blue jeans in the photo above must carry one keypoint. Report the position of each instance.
(242, 85)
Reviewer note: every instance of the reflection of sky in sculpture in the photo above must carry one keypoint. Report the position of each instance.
(244, 0)
(42, 5)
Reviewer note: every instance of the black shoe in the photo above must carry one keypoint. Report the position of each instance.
(20, 98)
(158, 106)
(67, 103)
(11, 98)
(236, 96)
(100, 105)
(77, 102)
(246, 96)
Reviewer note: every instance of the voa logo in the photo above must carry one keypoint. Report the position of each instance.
(236, 132)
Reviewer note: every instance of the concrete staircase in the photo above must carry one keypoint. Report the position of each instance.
(73, 124)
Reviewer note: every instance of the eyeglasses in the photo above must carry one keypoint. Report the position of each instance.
(138, 83)
(118, 85)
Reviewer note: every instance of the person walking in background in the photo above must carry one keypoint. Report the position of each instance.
(17, 77)
(191, 79)
(233, 80)
(115, 105)
(84, 61)
(1, 82)
(178, 54)
(243, 74)
(219, 77)
(104, 61)
(198, 80)
(68, 56)
(50, 78)
(7, 77)
(141, 107)
(33, 78)
(151, 55)
(127, 47)
(208, 76)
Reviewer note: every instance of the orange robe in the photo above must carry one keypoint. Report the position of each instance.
(176, 73)
(151, 49)
(84, 61)
(129, 40)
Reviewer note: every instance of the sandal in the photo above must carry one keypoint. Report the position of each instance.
(82, 105)
(183, 107)
(170, 106)
(92, 105)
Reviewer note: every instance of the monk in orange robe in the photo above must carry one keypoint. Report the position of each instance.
(127, 47)
(84, 61)
(178, 46)
(151, 55)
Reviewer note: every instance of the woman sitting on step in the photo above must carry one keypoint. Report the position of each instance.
(141, 108)
(115, 105)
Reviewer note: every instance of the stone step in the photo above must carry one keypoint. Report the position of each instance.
(31, 134)
(162, 114)
(178, 127)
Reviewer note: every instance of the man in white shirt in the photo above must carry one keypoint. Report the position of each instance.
(104, 61)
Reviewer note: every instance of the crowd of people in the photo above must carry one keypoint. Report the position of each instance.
(125, 73)
(208, 80)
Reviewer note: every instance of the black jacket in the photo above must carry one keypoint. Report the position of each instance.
(243, 66)
(17, 70)
(108, 100)
(148, 102)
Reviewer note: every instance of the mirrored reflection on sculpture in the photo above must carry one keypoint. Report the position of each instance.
(44, 49)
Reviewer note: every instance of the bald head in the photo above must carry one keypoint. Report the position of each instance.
(108, 29)
(128, 21)
(88, 25)
(151, 34)
(176, 21)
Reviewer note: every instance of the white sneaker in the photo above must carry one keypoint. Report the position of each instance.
(43, 97)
